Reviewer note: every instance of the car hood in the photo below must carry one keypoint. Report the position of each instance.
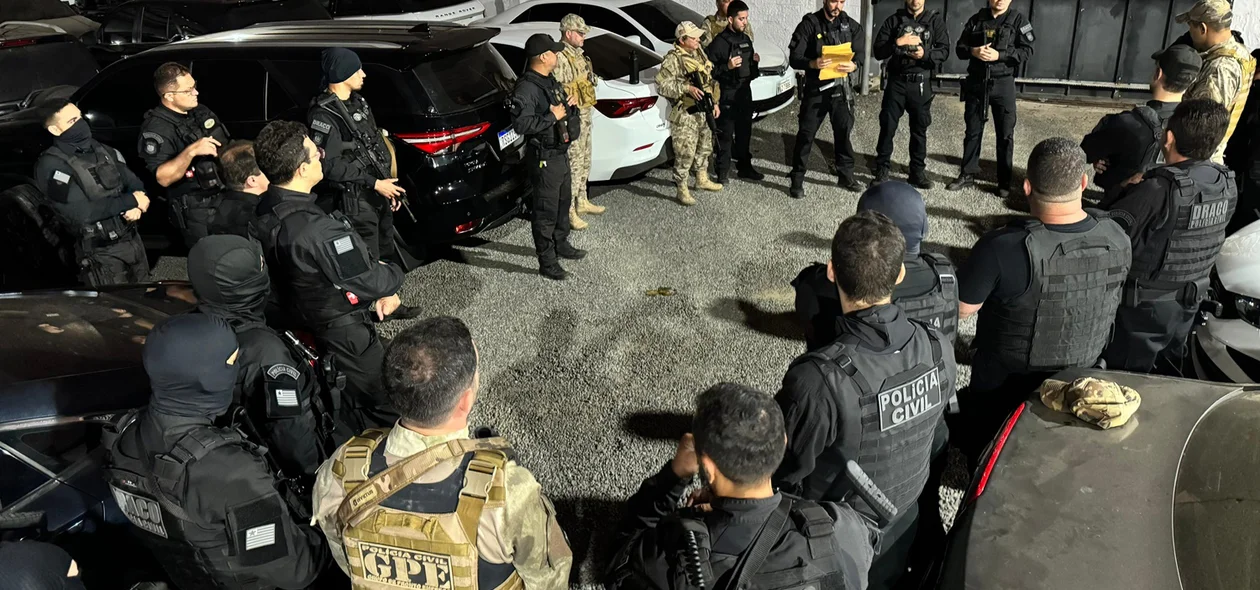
(771, 56)
(1238, 264)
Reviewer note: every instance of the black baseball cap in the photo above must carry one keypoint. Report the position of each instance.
(540, 43)
(904, 205)
(1177, 60)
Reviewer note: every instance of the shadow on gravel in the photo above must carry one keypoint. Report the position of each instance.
(804, 239)
(657, 425)
(649, 186)
(779, 324)
(955, 254)
(510, 249)
(473, 258)
(590, 524)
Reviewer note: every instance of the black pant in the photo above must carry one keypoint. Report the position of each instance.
(372, 219)
(1151, 332)
(995, 391)
(905, 94)
(359, 355)
(552, 184)
(814, 107)
(118, 262)
(734, 127)
(1002, 105)
(895, 544)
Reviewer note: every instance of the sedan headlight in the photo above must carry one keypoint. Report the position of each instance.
(1248, 309)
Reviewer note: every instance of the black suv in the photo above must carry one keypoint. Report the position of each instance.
(440, 90)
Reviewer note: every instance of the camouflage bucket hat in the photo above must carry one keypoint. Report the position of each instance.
(1104, 404)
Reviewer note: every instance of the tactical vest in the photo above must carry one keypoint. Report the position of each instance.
(939, 307)
(714, 25)
(1154, 154)
(693, 62)
(1064, 318)
(583, 84)
(204, 175)
(908, 25)
(1193, 228)
(889, 405)
(823, 36)
(99, 178)
(357, 125)
(998, 32)
(399, 533)
(1236, 52)
(562, 134)
(152, 499)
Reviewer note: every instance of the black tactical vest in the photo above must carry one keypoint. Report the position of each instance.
(1154, 154)
(207, 177)
(939, 307)
(357, 124)
(97, 174)
(1064, 319)
(562, 134)
(1193, 227)
(315, 299)
(825, 34)
(889, 405)
(908, 25)
(152, 499)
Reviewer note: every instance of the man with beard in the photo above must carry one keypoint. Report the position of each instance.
(735, 67)
(277, 387)
(96, 196)
(202, 498)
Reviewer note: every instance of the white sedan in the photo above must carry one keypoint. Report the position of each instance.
(630, 128)
(651, 24)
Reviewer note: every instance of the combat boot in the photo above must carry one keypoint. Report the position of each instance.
(576, 222)
(704, 183)
(584, 205)
(684, 194)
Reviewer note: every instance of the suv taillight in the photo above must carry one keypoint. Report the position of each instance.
(437, 143)
(998, 445)
(624, 107)
(16, 43)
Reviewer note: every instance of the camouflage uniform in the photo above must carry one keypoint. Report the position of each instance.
(693, 140)
(714, 24)
(1226, 79)
(517, 529)
(575, 72)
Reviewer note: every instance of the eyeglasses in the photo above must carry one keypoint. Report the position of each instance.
(192, 90)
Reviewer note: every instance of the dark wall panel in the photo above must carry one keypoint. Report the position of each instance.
(1143, 36)
(1098, 28)
(1054, 22)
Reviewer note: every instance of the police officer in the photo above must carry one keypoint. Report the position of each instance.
(324, 271)
(995, 41)
(356, 159)
(915, 42)
(549, 120)
(179, 143)
(1039, 312)
(719, 21)
(202, 498)
(277, 388)
(929, 293)
(735, 68)
(736, 444)
(825, 98)
(575, 72)
(1176, 218)
(1243, 157)
(686, 79)
(479, 508)
(1227, 67)
(1122, 147)
(96, 196)
(244, 185)
(875, 395)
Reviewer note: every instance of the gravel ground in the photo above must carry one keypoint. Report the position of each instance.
(593, 380)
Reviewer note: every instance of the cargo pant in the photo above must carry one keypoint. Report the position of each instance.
(693, 143)
(580, 158)
(121, 262)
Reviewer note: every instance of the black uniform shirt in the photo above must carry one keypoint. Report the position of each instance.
(730, 43)
(934, 53)
(998, 269)
(234, 212)
(160, 142)
(56, 180)
(532, 100)
(1014, 41)
(808, 40)
(813, 421)
(1122, 140)
(818, 302)
(733, 525)
(1142, 208)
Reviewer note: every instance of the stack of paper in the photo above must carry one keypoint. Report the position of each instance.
(838, 54)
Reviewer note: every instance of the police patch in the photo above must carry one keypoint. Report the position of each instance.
(275, 371)
(902, 404)
(1209, 214)
(142, 512)
(61, 177)
(260, 536)
(320, 126)
(405, 568)
(357, 117)
(209, 123)
(1027, 30)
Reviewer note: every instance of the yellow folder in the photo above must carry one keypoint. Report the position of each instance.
(839, 54)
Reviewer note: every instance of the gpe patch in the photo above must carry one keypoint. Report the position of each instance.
(406, 568)
(904, 403)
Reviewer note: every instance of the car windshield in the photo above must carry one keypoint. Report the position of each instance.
(48, 335)
(661, 17)
(610, 55)
(1216, 504)
(34, 10)
(455, 82)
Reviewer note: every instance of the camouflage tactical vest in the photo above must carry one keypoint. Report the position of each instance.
(583, 84)
(402, 534)
(714, 25)
(694, 62)
(1237, 52)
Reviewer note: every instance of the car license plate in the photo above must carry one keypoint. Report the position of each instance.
(784, 85)
(508, 137)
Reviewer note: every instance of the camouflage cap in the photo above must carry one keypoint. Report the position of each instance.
(1104, 404)
(688, 29)
(1208, 11)
(573, 22)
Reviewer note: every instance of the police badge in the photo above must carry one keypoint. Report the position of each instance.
(208, 124)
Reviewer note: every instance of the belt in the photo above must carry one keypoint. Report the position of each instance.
(911, 76)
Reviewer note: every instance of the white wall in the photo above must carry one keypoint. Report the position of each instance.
(1247, 21)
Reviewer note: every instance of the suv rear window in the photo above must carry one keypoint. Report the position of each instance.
(459, 81)
(1216, 510)
(660, 17)
(610, 56)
